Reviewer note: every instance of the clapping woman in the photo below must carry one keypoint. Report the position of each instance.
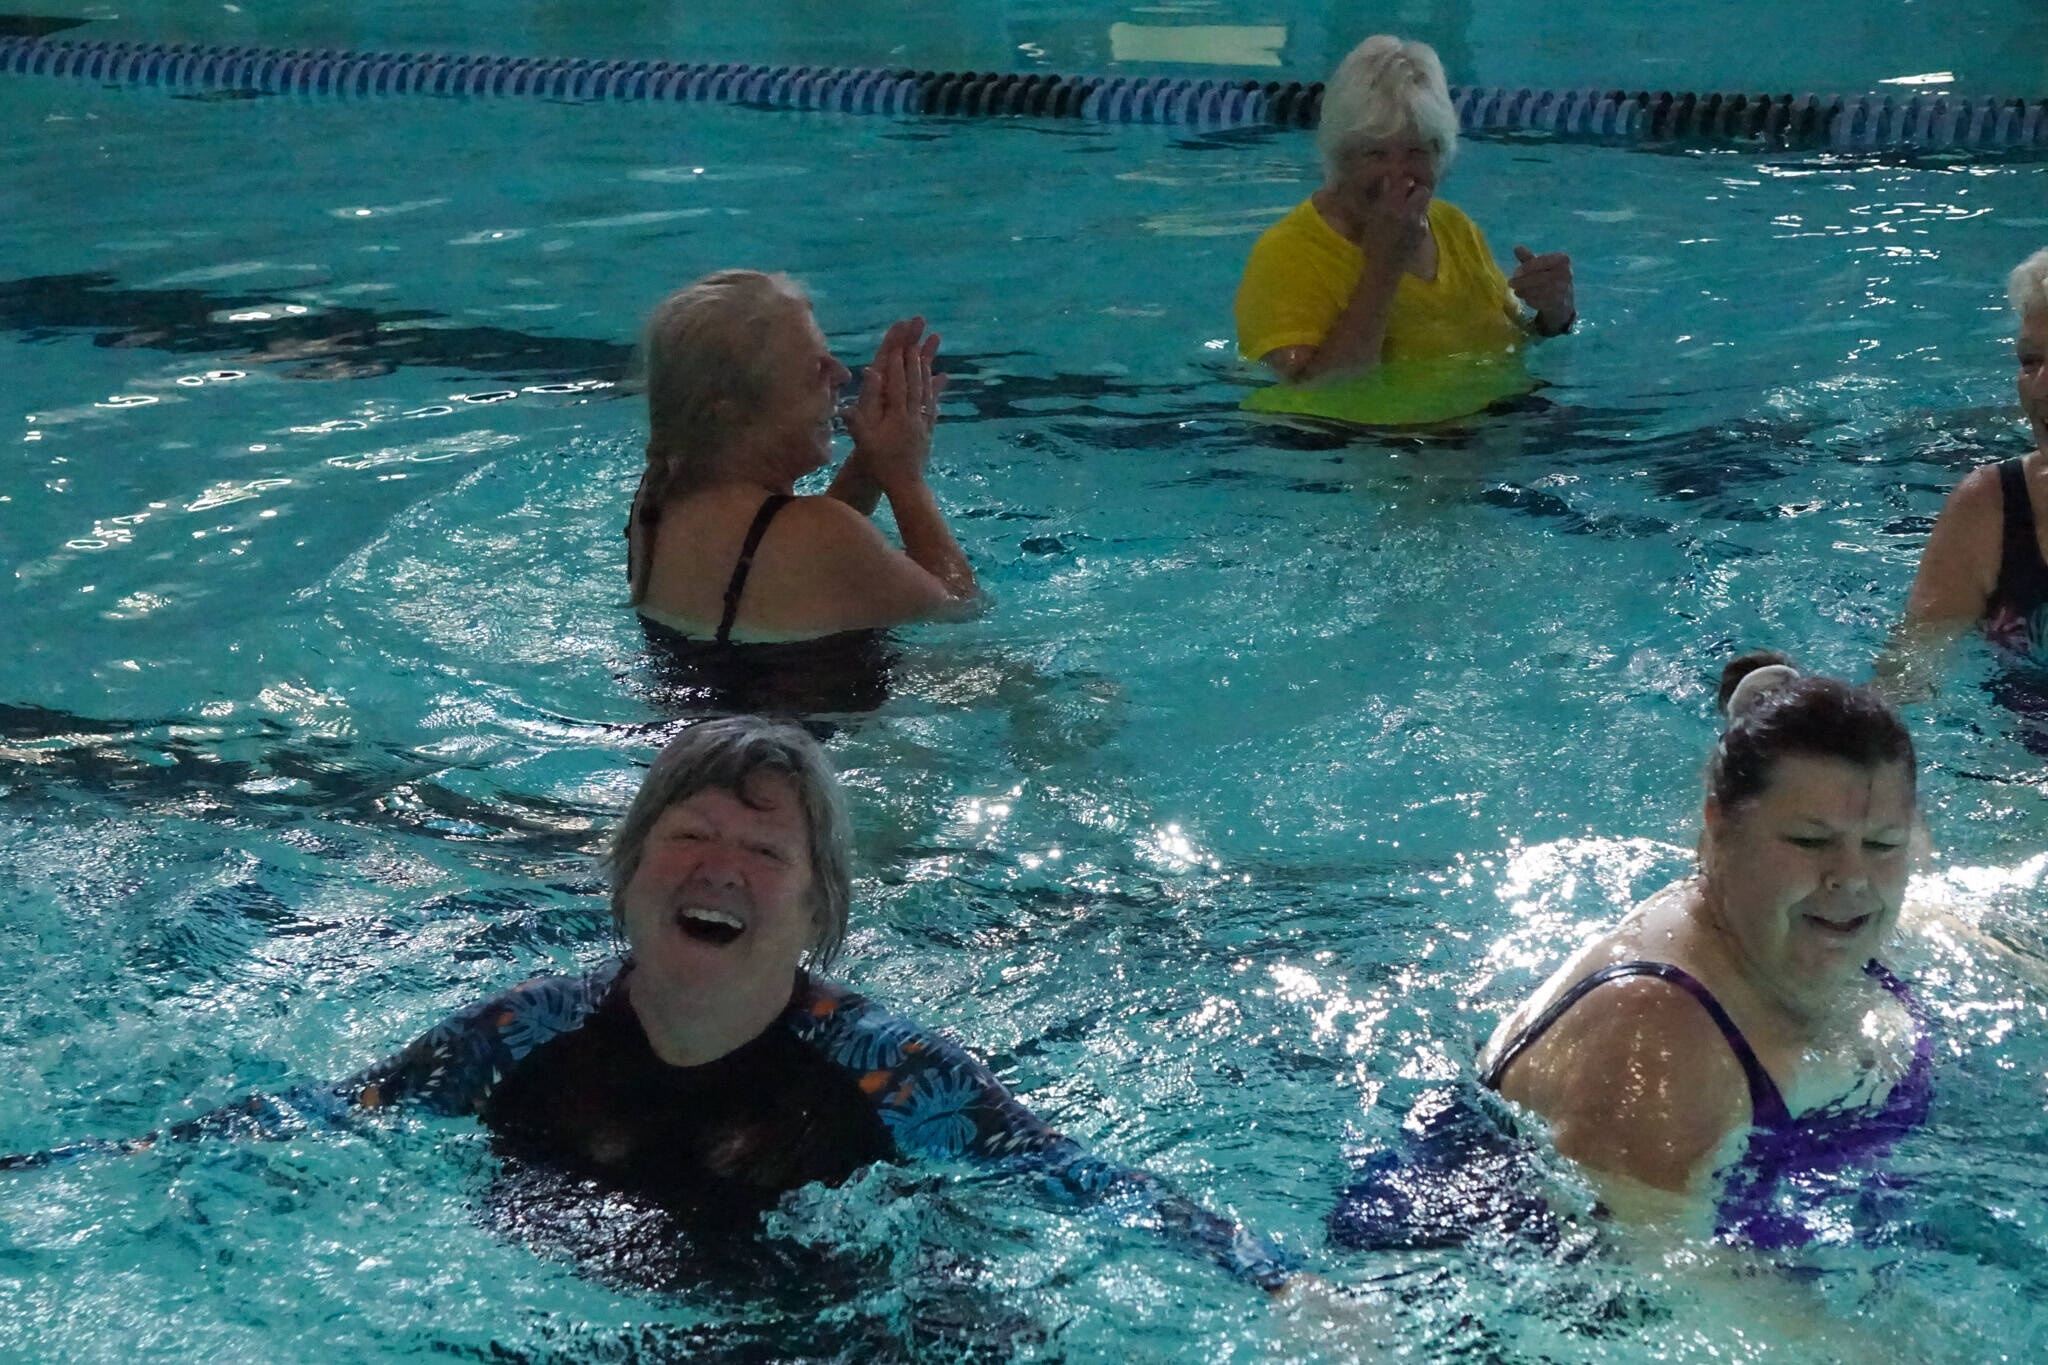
(763, 599)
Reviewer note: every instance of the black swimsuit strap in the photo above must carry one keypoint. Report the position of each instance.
(2020, 568)
(1766, 1104)
(648, 516)
(774, 503)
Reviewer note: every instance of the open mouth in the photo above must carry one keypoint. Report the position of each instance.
(1843, 928)
(715, 927)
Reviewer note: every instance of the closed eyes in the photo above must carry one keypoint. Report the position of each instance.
(1820, 841)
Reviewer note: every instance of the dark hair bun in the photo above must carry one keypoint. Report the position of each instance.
(1816, 716)
(1737, 669)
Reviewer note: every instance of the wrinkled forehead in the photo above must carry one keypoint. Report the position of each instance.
(2034, 330)
(763, 797)
(1405, 141)
(1837, 793)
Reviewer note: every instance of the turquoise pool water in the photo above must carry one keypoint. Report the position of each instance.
(1283, 762)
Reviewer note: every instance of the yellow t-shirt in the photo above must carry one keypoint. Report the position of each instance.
(1301, 275)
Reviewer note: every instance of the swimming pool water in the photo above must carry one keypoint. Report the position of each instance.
(1281, 764)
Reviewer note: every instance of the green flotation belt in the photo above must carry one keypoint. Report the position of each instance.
(1403, 393)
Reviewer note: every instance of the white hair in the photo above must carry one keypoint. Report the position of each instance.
(710, 358)
(1383, 88)
(2028, 284)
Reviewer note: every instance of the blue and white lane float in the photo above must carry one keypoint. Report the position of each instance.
(1848, 123)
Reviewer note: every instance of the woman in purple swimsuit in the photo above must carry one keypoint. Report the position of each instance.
(1984, 562)
(1735, 1035)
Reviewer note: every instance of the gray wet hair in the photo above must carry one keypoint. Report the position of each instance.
(1381, 89)
(725, 755)
(2027, 286)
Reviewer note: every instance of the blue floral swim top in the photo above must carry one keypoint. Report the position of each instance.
(926, 1098)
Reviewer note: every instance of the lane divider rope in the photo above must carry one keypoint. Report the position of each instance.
(1856, 122)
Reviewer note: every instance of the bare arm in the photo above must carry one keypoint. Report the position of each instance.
(1356, 338)
(929, 541)
(892, 430)
(847, 575)
(854, 486)
(1389, 225)
(1958, 573)
(1638, 1086)
(1959, 567)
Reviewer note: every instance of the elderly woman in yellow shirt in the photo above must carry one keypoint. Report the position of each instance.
(1373, 266)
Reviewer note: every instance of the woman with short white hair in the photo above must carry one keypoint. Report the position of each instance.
(1373, 266)
(1986, 561)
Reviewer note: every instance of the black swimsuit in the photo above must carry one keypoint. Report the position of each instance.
(2016, 617)
(593, 1127)
(847, 671)
(737, 584)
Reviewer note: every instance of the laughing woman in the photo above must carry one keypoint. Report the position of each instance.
(709, 1071)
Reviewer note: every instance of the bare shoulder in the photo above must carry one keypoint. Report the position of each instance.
(825, 567)
(1959, 566)
(824, 523)
(815, 545)
(823, 510)
(1977, 497)
(1636, 1080)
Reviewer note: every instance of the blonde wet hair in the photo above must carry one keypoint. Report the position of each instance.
(709, 356)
